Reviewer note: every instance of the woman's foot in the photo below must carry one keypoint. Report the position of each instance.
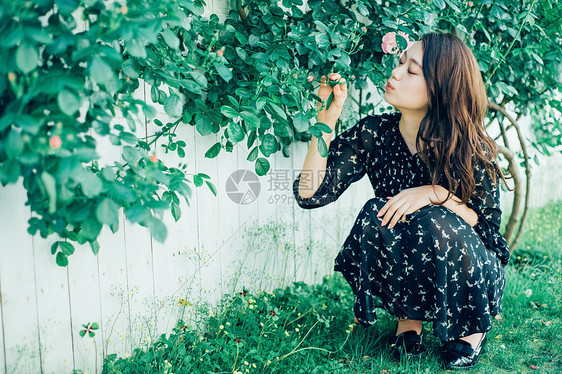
(408, 324)
(408, 338)
(462, 353)
(473, 339)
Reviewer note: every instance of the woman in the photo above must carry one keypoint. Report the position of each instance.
(427, 247)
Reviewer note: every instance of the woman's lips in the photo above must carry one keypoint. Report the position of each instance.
(388, 86)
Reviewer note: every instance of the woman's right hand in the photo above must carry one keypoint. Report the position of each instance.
(331, 115)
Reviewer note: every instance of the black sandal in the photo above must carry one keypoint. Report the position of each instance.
(459, 354)
(407, 344)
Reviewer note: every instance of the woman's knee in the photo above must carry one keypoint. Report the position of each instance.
(368, 214)
(438, 220)
(373, 206)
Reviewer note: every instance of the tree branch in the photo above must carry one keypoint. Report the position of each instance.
(512, 220)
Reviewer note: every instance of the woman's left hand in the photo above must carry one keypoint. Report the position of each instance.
(406, 202)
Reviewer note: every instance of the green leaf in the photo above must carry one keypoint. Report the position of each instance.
(252, 138)
(197, 180)
(323, 127)
(157, 229)
(95, 326)
(66, 7)
(27, 58)
(90, 183)
(107, 212)
(90, 228)
(95, 247)
(329, 101)
(68, 102)
(223, 71)
(315, 131)
(262, 166)
(129, 69)
(192, 6)
(268, 145)
(128, 137)
(131, 155)
(66, 248)
(229, 112)
(235, 132)
(100, 71)
(277, 109)
(136, 47)
(51, 189)
(173, 106)
(61, 259)
(322, 149)
(171, 39)
(362, 9)
(136, 213)
(213, 151)
(301, 122)
(10, 171)
(203, 124)
(401, 42)
(251, 119)
(181, 152)
(453, 6)
(82, 333)
(176, 211)
(54, 247)
(439, 4)
(149, 112)
(199, 78)
(14, 144)
(253, 154)
(212, 187)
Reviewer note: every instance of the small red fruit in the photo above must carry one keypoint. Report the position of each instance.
(220, 52)
(154, 158)
(55, 141)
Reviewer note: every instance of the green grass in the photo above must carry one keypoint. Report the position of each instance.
(310, 328)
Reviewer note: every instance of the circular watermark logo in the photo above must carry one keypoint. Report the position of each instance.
(243, 186)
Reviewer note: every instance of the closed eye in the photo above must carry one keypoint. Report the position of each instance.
(400, 63)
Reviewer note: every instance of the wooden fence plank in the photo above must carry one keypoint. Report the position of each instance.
(114, 290)
(86, 307)
(55, 323)
(19, 308)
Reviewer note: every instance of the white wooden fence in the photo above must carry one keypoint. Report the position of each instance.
(131, 288)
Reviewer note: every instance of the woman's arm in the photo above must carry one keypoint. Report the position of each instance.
(411, 199)
(453, 203)
(314, 164)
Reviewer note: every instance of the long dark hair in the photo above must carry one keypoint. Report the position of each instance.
(454, 122)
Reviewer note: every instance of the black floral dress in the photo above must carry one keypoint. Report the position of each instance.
(432, 267)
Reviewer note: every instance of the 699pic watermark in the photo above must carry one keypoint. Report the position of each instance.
(244, 186)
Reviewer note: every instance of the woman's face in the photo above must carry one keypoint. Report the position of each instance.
(409, 91)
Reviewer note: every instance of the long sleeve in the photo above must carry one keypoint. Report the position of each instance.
(487, 207)
(345, 165)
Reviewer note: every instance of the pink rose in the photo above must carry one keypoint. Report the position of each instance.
(470, 3)
(310, 78)
(154, 158)
(389, 44)
(55, 141)
(220, 52)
